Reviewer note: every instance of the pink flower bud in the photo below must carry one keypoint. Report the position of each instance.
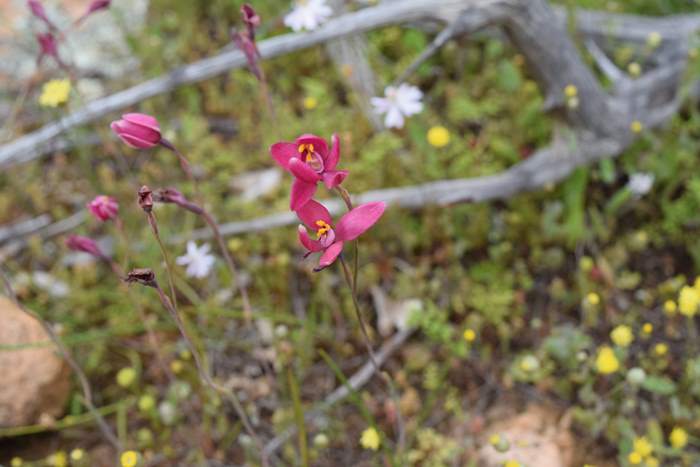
(38, 10)
(85, 245)
(48, 44)
(97, 5)
(250, 18)
(103, 207)
(139, 131)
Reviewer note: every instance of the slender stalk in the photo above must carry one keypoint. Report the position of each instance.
(203, 371)
(356, 244)
(368, 343)
(168, 267)
(298, 417)
(68, 357)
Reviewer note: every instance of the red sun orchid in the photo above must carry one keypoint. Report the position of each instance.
(329, 238)
(310, 161)
(137, 130)
(104, 207)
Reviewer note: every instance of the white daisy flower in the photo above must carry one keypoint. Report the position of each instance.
(308, 14)
(640, 183)
(198, 260)
(398, 103)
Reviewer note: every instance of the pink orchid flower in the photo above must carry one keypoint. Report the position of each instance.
(139, 131)
(310, 161)
(85, 245)
(330, 239)
(104, 207)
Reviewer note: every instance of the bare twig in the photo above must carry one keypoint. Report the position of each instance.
(355, 382)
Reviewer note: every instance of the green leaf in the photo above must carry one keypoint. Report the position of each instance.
(508, 76)
(659, 385)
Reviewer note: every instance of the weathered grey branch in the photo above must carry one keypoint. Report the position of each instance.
(356, 381)
(601, 25)
(24, 227)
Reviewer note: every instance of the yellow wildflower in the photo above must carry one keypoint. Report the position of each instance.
(634, 69)
(570, 91)
(438, 136)
(654, 39)
(310, 103)
(688, 301)
(651, 462)
(635, 458)
(469, 335)
(593, 298)
(661, 349)
(55, 93)
(126, 377)
(176, 366)
(670, 307)
(59, 459)
(636, 126)
(16, 462)
(606, 362)
(129, 459)
(642, 446)
(678, 437)
(370, 439)
(622, 335)
(511, 463)
(77, 455)
(647, 328)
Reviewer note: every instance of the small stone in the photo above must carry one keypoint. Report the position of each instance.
(36, 381)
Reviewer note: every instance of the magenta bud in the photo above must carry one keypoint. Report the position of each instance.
(48, 44)
(85, 245)
(38, 10)
(139, 131)
(250, 17)
(103, 207)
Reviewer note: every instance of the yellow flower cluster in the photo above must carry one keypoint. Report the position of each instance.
(370, 439)
(642, 451)
(678, 437)
(55, 93)
(606, 362)
(129, 459)
(622, 335)
(689, 300)
(438, 136)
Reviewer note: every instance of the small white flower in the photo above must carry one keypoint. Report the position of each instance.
(308, 14)
(398, 103)
(640, 183)
(198, 260)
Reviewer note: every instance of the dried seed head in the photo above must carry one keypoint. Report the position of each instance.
(146, 198)
(143, 276)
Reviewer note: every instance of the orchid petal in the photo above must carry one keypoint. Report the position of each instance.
(302, 170)
(320, 145)
(282, 152)
(356, 222)
(314, 211)
(142, 120)
(330, 255)
(334, 155)
(301, 193)
(333, 178)
(307, 242)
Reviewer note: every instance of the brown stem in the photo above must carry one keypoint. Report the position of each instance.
(368, 343)
(68, 357)
(204, 373)
(168, 268)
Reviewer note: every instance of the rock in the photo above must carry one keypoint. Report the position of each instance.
(35, 381)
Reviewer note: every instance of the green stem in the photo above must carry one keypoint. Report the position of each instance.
(298, 417)
(385, 375)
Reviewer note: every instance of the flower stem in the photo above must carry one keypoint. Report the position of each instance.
(356, 244)
(168, 268)
(368, 343)
(68, 357)
(204, 373)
